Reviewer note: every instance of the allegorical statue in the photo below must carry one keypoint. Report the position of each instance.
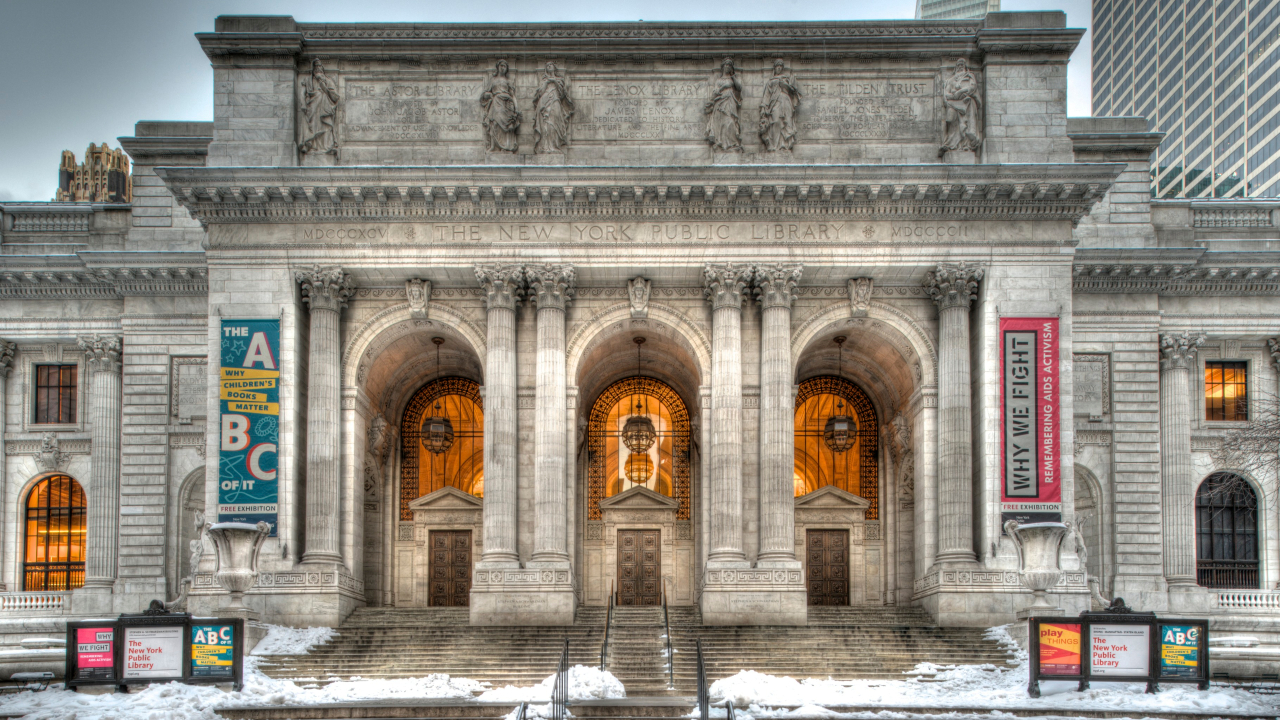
(778, 108)
(723, 130)
(501, 116)
(317, 112)
(553, 109)
(961, 96)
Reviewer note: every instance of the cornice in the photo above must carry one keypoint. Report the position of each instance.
(1176, 272)
(148, 149)
(562, 193)
(103, 275)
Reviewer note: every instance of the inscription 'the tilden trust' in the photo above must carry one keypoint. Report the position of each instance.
(643, 233)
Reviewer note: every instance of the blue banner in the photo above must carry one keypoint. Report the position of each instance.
(249, 397)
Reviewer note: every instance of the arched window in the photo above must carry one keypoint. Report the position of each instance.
(55, 536)
(1226, 532)
(461, 466)
(614, 468)
(855, 470)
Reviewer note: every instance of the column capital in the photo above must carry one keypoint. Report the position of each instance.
(102, 352)
(1273, 344)
(1178, 350)
(325, 288)
(503, 285)
(775, 285)
(725, 283)
(953, 285)
(7, 349)
(551, 286)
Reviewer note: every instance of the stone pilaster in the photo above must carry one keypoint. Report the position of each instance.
(503, 286)
(551, 287)
(775, 287)
(325, 290)
(954, 288)
(725, 285)
(1177, 358)
(7, 350)
(101, 551)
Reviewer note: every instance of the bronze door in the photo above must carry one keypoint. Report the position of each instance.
(827, 562)
(639, 567)
(450, 584)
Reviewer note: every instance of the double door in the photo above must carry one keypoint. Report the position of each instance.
(827, 566)
(639, 567)
(449, 584)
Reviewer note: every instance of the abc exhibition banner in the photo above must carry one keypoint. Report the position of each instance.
(249, 397)
(1031, 488)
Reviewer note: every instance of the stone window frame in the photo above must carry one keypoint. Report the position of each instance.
(52, 354)
(1103, 359)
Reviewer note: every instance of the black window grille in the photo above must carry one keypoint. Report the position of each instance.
(55, 394)
(1226, 391)
(1226, 533)
(55, 536)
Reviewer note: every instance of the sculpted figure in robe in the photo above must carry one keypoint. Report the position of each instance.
(723, 129)
(501, 116)
(961, 96)
(554, 110)
(778, 108)
(317, 110)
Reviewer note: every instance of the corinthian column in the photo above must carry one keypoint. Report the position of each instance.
(325, 290)
(503, 288)
(1177, 497)
(551, 287)
(953, 288)
(775, 286)
(103, 355)
(7, 350)
(724, 287)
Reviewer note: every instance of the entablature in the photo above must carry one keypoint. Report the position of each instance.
(1176, 271)
(103, 275)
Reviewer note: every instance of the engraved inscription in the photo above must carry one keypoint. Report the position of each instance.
(384, 110)
(868, 109)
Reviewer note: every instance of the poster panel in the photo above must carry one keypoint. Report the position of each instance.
(95, 653)
(212, 651)
(1031, 488)
(1120, 650)
(249, 398)
(153, 652)
(1180, 651)
(1060, 649)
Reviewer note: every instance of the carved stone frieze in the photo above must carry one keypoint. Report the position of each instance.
(502, 117)
(318, 103)
(49, 457)
(325, 288)
(779, 103)
(723, 110)
(859, 291)
(553, 110)
(1177, 279)
(66, 281)
(418, 293)
(638, 292)
(963, 100)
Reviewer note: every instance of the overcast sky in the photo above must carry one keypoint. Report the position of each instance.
(74, 72)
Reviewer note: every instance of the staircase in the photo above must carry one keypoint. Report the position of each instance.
(839, 643)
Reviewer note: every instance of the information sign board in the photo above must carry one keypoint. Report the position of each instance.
(1120, 650)
(1179, 651)
(212, 651)
(249, 399)
(95, 653)
(152, 653)
(1031, 482)
(1060, 649)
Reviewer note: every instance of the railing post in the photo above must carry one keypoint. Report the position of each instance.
(703, 699)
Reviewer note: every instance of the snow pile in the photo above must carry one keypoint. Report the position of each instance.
(281, 640)
(975, 686)
(585, 683)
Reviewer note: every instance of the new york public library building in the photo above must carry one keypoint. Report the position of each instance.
(758, 316)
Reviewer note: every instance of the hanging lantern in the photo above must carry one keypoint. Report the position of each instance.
(639, 468)
(437, 433)
(638, 433)
(841, 431)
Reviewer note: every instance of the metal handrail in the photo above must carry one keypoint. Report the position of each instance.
(608, 622)
(703, 695)
(523, 709)
(728, 709)
(560, 693)
(666, 624)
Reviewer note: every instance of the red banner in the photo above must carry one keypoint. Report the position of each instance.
(1031, 466)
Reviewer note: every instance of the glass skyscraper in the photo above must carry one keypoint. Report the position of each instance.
(950, 9)
(1205, 74)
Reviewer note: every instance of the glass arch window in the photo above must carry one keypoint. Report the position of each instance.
(54, 550)
(1226, 532)
(855, 470)
(612, 466)
(462, 465)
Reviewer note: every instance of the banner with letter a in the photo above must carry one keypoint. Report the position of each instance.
(249, 396)
(1031, 468)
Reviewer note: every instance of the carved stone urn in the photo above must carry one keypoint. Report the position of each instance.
(238, 545)
(1039, 563)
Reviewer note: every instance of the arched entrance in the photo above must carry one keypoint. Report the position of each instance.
(54, 537)
(1226, 532)
(425, 469)
(856, 470)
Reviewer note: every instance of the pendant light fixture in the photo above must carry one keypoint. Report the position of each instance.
(437, 431)
(841, 430)
(638, 434)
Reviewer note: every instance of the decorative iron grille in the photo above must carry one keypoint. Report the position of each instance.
(598, 432)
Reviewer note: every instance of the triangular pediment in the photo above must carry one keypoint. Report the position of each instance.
(447, 498)
(832, 497)
(639, 498)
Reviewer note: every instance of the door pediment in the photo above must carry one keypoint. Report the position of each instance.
(639, 498)
(447, 498)
(832, 498)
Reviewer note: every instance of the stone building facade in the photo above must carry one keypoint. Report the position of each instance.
(405, 271)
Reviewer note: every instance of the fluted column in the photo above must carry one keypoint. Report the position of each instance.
(551, 287)
(775, 286)
(724, 287)
(503, 288)
(325, 290)
(953, 288)
(7, 350)
(1177, 478)
(101, 551)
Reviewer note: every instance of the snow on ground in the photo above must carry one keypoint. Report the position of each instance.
(282, 640)
(585, 683)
